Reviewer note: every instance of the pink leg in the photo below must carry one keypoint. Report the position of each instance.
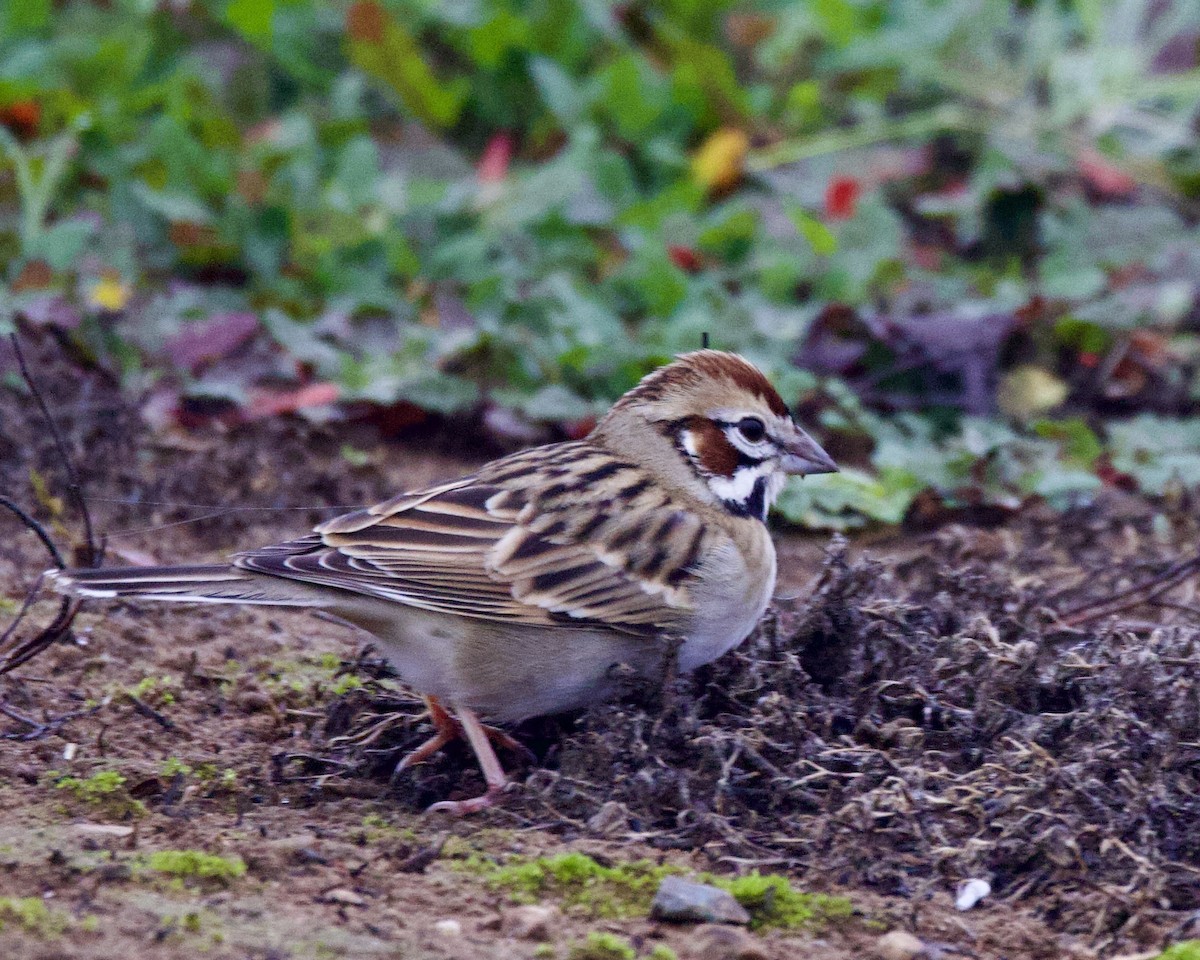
(493, 773)
(446, 729)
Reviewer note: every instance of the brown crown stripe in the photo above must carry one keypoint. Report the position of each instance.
(690, 368)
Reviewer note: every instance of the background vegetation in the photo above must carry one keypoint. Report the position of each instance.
(960, 234)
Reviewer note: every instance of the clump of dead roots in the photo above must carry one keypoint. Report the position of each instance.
(920, 718)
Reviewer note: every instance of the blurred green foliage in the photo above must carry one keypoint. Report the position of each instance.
(530, 204)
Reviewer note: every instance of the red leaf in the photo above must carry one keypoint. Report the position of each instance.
(685, 258)
(270, 403)
(841, 198)
(22, 117)
(1103, 176)
(35, 275)
(1110, 476)
(366, 22)
(201, 343)
(497, 155)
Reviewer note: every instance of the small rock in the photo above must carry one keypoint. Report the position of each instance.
(448, 928)
(345, 896)
(103, 830)
(899, 945)
(970, 892)
(685, 901)
(529, 922)
(611, 817)
(726, 943)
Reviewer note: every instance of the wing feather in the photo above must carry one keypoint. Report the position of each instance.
(567, 535)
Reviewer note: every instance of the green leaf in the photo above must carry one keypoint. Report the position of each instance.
(1079, 442)
(397, 60)
(171, 205)
(839, 501)
(819, 236)
(553, 403)
(559, 92)
(22, 15)
(61, 244)
(632, 96)
(251, 18)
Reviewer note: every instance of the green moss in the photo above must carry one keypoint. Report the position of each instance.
(662, 952)
(154, 690)
(375, 828)
(544, 951)
(1187, 950)
(104, 790)
(172, 766)
(624, 890)
(196, 863)
(345, 683)
(774, 902)
(32, 915)
(603, 946)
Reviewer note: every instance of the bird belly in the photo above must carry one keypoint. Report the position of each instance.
(504, 672)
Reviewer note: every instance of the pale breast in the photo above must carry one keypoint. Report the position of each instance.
(735, 584)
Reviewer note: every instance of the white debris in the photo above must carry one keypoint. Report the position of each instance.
(970, 892)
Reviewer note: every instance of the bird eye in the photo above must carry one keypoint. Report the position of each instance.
(752, 429)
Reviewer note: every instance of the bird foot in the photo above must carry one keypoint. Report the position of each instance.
(460, 808)
(480, 738)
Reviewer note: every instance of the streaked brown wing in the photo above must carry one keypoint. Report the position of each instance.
(518, 542)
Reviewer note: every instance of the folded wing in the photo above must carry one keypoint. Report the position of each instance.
(569, 536)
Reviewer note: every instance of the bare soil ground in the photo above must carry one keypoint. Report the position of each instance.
(918, 714)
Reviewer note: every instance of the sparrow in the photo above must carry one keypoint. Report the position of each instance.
(515, 591)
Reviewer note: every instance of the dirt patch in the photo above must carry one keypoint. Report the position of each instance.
(919, 716)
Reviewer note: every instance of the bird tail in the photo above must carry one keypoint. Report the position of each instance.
(210, 583)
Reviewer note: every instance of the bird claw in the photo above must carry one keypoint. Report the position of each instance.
(462, 808)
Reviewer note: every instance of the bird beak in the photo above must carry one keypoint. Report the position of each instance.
(803, 455)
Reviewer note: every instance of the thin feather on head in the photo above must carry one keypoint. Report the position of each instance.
(699, 379)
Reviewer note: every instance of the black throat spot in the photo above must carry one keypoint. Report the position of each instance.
(754, 505)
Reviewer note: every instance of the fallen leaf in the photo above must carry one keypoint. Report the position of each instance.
(685, 258)
(35, 275)
(201, 343)
(108, 293)
(1028, 390)
(1104, 176)
(365, 22)
(22, 117)
(269, 403)
(497, 155)
(841, 198)
(721, 159)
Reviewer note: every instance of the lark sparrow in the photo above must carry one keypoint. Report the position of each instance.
(513, 592)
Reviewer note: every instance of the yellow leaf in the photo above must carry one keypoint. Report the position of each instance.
(719, 162)
(41, 492)
(108, 293)
(1028, 390)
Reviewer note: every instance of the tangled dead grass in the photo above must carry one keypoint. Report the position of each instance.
(922, 718)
